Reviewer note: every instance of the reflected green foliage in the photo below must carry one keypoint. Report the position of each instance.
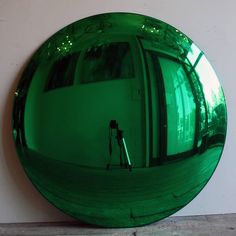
(119, 120)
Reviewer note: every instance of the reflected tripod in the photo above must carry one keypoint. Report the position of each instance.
(122, 145)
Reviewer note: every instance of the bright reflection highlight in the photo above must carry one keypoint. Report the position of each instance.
(210, 83)
(193, 54)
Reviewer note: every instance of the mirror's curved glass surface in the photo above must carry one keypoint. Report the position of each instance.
(119, 120)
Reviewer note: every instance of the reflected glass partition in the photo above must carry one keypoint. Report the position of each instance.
(119, 120)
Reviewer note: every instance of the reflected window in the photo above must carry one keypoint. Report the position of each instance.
(212, 91)
(214, 97)
(181, 108)
(63, 72)
(107, 62)
(212, 108)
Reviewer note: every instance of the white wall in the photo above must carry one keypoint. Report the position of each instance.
(25, 24)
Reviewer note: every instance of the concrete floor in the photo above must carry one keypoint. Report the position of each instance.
(208, 225)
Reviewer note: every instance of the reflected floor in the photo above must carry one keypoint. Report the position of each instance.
(118, 197)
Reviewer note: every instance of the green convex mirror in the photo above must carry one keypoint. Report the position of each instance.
(119, 120)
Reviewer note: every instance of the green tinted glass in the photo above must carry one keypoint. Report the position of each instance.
(119, 120)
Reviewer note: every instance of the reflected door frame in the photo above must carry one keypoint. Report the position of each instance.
(158, 154)
(149, 55)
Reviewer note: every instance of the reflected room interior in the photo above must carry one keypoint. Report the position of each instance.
(119, 120)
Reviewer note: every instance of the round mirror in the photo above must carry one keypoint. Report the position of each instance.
(119, 120)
